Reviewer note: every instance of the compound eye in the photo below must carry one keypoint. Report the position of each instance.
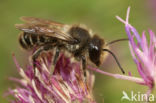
(94, 54)
(94, 47)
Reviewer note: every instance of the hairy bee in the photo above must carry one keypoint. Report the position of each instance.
(76, 39)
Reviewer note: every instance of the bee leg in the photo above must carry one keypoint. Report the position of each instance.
(57, 52)
(56, 55)
(38, 52)
(84, 65)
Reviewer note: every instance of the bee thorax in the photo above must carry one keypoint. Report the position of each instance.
(72, 48)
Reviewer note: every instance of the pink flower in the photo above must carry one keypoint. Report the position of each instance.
(143, 53)
(144, 56)
(65, 85)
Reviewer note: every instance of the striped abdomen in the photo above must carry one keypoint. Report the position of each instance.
(28, 41)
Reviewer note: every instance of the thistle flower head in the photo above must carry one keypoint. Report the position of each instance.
(143, 53)
(65, 85)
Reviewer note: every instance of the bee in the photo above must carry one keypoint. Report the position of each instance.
(47, 35)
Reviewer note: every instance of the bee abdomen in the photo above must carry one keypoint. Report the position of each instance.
(25, 41)
(28, 41)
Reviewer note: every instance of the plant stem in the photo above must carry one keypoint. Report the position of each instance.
(119, 76)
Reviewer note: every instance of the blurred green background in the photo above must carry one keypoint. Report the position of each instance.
(96, 14)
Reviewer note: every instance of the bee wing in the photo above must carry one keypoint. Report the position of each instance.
(34, 20)
(45, 27)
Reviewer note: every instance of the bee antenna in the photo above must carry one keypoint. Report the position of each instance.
(115, 59)
(117, 40)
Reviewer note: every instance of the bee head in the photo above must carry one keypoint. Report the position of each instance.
(98, 50)
(96, 54)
